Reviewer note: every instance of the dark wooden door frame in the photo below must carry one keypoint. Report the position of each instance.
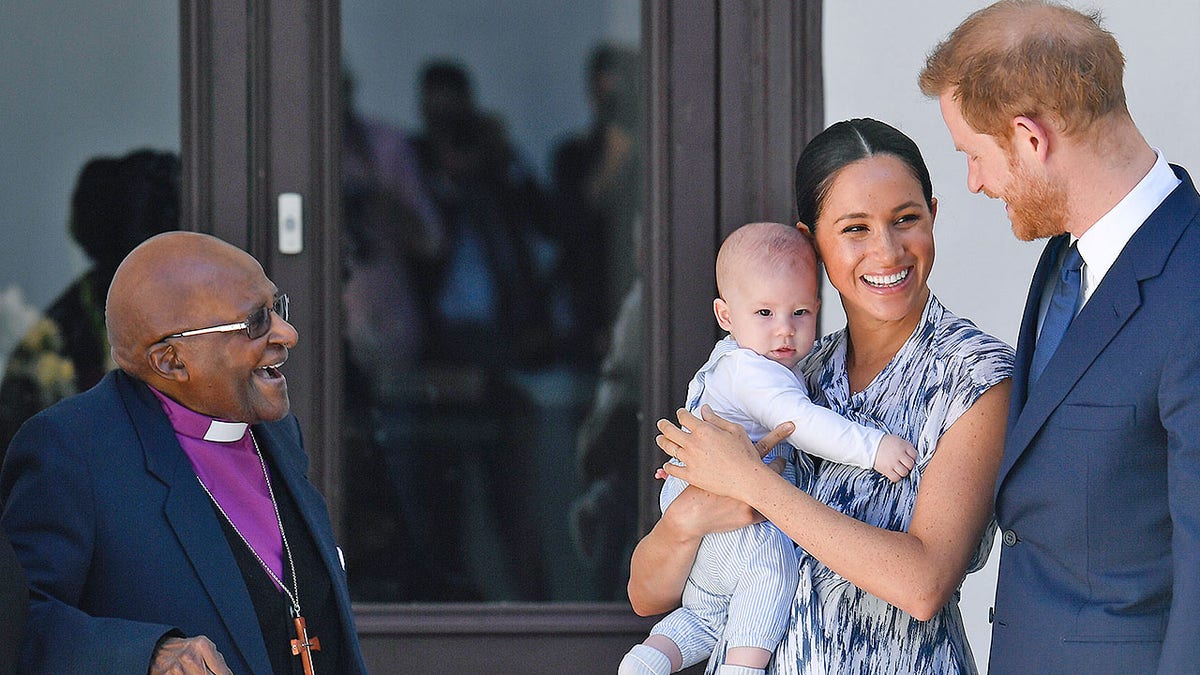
(258, 97)
(733, 90)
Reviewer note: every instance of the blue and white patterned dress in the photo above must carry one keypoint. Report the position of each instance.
(936, 376)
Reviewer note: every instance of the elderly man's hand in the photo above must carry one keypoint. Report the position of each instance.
(188, 656)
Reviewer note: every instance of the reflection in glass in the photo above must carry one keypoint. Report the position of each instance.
(491, 315)
(118, 202)
(86, 94)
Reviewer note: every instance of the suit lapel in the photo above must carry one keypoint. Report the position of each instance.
(312, 509)
(1115, 300)
(1111, 306)
(190, 514)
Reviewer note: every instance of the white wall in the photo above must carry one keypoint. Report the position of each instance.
(982, 271)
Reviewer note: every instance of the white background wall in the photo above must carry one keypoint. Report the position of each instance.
(874, 50)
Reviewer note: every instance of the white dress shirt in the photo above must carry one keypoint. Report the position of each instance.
(1106, 238)
(1103, 242)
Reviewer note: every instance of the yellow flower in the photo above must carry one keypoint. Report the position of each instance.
(43, 335)
(55, 375)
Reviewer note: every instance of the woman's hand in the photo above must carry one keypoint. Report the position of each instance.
(718, 454)
(663, 558)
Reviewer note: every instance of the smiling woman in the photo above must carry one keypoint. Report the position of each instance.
(905, 365)
(875, 237)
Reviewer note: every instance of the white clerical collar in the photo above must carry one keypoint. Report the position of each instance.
(196, 425)
(225, 432)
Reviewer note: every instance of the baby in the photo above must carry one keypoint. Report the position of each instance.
(741, 586)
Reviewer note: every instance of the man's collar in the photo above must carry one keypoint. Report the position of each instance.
(197, 425)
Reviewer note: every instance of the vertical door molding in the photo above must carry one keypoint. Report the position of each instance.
(258, 96)
(734, 91)
(215, 108)
(296, 146)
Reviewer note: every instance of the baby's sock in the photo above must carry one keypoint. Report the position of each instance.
(726, 669)
(645, 660)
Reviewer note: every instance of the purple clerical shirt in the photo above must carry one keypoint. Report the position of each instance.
(230, 468)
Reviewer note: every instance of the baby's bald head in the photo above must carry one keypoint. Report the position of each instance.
(761, 248)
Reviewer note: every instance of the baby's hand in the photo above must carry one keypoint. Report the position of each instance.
(896, 458)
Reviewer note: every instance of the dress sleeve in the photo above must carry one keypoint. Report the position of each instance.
(975, 363)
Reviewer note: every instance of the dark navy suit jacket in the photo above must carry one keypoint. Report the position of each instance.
(1098, 497)
(121, 545)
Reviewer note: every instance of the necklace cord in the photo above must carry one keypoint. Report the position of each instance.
(294, 598)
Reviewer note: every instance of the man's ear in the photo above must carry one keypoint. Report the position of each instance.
(165, 362)
(1030, 136)
(721, 310)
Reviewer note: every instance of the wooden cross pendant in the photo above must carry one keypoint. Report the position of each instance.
(303, 645)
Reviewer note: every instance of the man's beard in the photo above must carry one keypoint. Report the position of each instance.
(1038, 206)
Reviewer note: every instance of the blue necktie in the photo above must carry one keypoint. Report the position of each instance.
(1059, 313)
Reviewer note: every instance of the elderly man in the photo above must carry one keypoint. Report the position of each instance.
(163, 517)
(1099, 487)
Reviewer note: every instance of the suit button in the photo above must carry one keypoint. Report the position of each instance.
(1010, 538)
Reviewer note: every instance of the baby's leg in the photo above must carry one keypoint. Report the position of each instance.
(754, 659)
(761, 604)
(727, 669)
(658, 655)
(682, 638)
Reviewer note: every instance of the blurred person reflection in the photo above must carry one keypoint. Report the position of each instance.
(118, 202)
(598, 198)
(497, 272)
(603, 519)
(491, 318)
(392, 233)
(452, 425)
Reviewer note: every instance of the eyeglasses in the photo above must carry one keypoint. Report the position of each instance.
(256, 325)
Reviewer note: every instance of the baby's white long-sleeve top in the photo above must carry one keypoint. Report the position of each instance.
(760, 394)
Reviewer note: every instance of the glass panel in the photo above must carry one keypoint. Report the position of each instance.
(90, 168)
(492, 321)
